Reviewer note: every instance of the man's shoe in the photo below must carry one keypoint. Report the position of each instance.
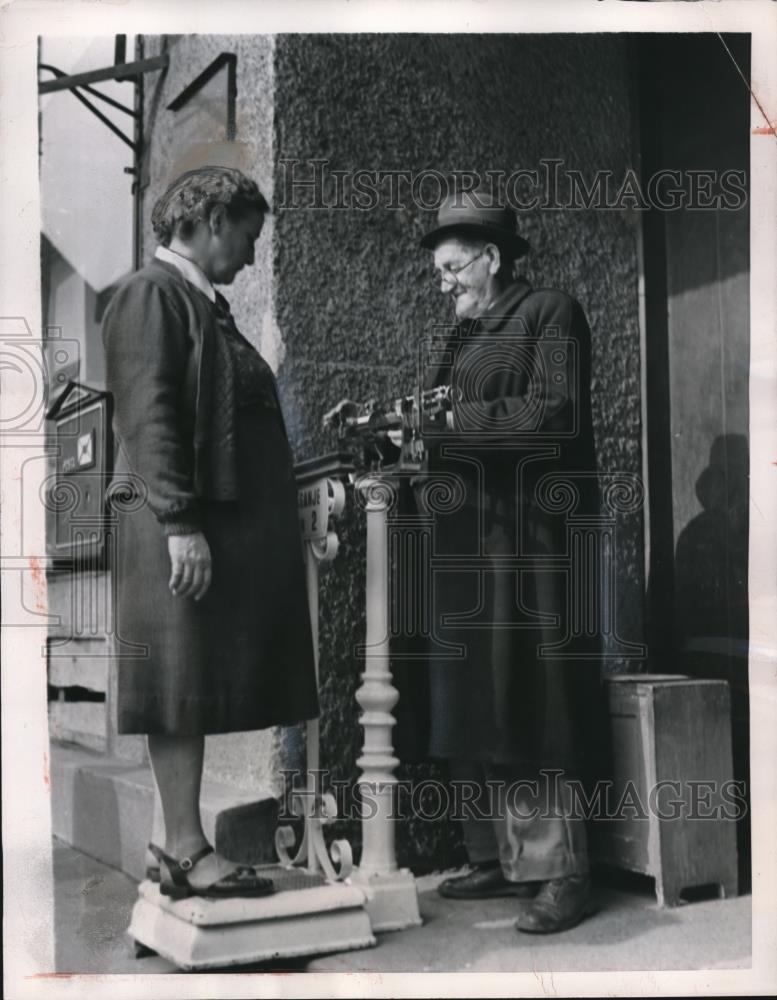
(485, 882)
(560, 904)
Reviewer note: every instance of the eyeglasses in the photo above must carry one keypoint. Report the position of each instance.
(449, 276)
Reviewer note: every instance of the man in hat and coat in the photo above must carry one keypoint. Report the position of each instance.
(514, 683)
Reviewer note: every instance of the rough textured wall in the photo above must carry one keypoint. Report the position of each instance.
(247, 760)
(352, 300)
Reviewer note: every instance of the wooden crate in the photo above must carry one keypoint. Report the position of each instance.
(668, 728)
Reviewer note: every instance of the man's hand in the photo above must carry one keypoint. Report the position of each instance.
(190, 565)
(339, 416)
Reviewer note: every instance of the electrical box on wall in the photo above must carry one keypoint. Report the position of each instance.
(75, 496)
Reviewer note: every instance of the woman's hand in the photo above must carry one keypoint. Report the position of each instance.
(190, 565)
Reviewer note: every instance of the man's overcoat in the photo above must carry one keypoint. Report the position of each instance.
(510, 675)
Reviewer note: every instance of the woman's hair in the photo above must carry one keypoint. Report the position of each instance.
(192, 196)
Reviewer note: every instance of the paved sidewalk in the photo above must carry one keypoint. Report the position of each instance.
(630, 932)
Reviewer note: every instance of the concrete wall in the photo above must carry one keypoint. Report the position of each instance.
(251, 295)
(351, 299)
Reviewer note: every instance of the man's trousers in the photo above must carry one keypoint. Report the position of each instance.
(526, 821)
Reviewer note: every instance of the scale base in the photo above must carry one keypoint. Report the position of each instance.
(392, 899)
(305, 916)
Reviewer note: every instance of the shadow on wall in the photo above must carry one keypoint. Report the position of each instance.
(711, 555)
(711, 597)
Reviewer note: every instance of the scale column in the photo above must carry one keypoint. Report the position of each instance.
(393, 900)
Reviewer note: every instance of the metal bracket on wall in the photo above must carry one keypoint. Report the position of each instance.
(224, 59)
(73, 88)
(121, 71)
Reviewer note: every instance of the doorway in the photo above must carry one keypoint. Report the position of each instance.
(694, 110)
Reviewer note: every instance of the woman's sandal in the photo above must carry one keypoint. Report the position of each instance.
(243, 881)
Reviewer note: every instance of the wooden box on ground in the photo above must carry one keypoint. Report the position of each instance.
(672, 805)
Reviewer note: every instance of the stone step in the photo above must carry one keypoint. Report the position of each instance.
(103, 807)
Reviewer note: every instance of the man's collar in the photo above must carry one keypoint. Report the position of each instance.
(188, 269)
(502, 307)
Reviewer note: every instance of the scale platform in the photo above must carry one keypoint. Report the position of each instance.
(306, 915)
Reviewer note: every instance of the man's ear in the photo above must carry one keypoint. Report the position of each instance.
(216, 219)
(494, 254)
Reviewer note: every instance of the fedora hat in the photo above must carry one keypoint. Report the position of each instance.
(477, 213)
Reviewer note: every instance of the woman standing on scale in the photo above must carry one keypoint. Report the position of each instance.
(211, 586)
